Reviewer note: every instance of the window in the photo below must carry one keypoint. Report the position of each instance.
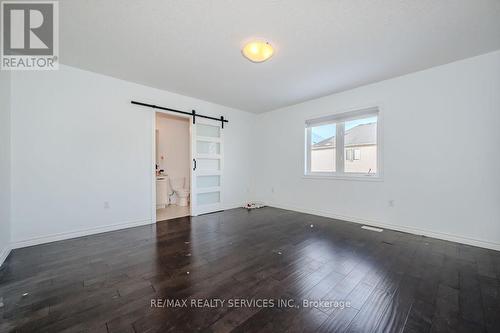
(343, 145)
(357, 154)
(323, 148)
(352, 154)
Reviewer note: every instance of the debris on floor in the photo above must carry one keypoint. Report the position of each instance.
(254, 205)
(366, 227)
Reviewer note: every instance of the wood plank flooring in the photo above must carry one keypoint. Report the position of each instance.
(389, 281)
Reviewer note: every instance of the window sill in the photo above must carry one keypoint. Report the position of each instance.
(362, 178)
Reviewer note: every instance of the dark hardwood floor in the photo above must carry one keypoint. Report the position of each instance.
(394, 282)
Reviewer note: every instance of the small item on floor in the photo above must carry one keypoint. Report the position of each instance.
(187, 273)
(25, 294)
(367, 227)
(279, 252)
(312, 225)
(186, 242)
(254, 205)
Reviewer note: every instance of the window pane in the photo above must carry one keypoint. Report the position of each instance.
(207, 164)
(205, 147)
(357, 154)
(208, 198)
(360, 144)
(348, 155)
(323, 148)
(208, 181)
(207, 130)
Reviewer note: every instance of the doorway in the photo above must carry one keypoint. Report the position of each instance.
(172, 166)
(188, 166)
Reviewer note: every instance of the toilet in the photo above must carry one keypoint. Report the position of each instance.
(181, 189)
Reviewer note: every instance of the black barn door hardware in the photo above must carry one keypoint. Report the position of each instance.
(192, 113)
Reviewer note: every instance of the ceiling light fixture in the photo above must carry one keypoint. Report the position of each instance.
(257, 51)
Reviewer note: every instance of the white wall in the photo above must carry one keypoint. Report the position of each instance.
(441, 154)
(174, 151)
(77, 143)
(5, 90)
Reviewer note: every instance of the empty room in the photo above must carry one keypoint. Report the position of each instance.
(250, 166)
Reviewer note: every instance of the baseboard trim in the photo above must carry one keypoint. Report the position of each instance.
(411, 230)
(234, 205)
(112, 227)
(89, 231)
(4, 254)
(78, 233)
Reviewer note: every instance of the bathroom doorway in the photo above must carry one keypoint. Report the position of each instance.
(172, 166)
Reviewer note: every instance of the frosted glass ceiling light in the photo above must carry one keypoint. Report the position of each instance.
(257, 51)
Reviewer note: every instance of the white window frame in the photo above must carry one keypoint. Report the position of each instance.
(357, 150)
(339, 120)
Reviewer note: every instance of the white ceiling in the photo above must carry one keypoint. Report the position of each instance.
(193, 47)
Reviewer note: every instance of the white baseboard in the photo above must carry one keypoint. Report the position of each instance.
(89, 231)
(411, 230)
(112, 227)
(234, 205)
(4, 253)
(77, 233)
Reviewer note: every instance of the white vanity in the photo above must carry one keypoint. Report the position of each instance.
(162, 184)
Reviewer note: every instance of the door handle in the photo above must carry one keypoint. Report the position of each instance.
(194, 164)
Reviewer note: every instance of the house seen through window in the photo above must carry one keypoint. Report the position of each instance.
(343, 145)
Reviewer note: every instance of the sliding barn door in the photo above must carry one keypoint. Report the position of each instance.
(206, 184)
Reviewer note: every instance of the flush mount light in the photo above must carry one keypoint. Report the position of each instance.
(257, 51)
